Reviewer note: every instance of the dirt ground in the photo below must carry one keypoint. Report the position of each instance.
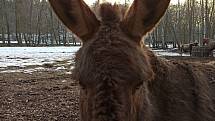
(47, 95)
(39, 96)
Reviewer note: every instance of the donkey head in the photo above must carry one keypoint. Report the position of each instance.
(112, 66)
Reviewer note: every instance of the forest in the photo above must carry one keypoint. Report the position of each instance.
(33, 23)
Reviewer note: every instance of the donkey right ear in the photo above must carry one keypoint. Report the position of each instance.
(142, 16)
(77, 16)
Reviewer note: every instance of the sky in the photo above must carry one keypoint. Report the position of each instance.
(90, 2)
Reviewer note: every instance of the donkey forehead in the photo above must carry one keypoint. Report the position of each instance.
(111, 40)
(117, 60)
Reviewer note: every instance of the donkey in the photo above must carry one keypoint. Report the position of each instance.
(123, 80)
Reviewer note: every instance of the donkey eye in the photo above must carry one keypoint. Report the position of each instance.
(82, 85)
(138, 85)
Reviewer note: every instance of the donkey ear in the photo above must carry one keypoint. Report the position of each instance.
(77, 16)
(142, 16)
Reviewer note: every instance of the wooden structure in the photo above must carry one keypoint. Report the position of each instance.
(188, 47)
(201, 51)
(204, 51)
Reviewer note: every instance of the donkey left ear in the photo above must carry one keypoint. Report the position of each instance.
(77, 16)
(142, 16)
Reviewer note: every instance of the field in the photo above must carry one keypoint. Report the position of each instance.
(43, 90)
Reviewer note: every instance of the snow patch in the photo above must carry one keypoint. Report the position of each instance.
(68, 73)
(168, 52)
(60, 68)
(26, 56)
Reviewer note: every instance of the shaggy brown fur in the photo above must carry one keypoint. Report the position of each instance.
(122, 80)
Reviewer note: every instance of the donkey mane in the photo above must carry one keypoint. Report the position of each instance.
(109, 13)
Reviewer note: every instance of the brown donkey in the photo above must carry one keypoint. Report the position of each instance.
(120, 78)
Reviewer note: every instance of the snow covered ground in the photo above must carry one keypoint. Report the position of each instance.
(18, 58)
(161, 52)
(25, 56)
(21, 57)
